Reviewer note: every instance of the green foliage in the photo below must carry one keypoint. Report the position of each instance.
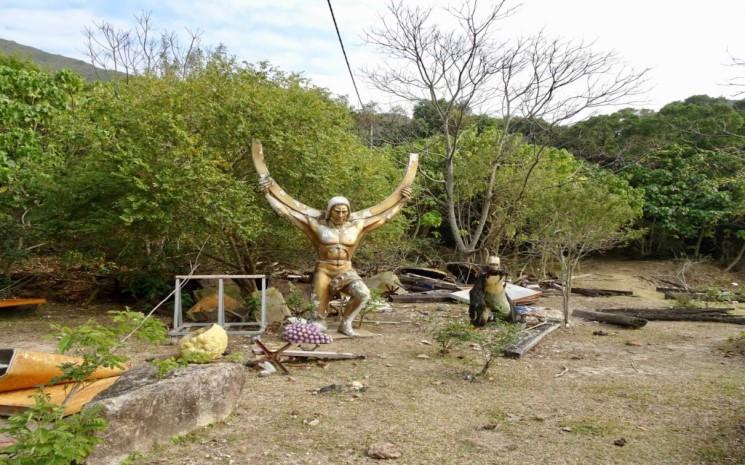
(150, 330)
(687, 159)
(96, 343)
(43, 435)
(296, 301)
(235, 357)
(149, 285)
(29, 101)
(156, 167)
(167, 365)
(452, 333)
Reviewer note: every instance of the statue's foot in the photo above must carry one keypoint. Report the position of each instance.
(346, 328)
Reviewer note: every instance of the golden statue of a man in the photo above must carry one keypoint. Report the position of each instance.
(335, 233)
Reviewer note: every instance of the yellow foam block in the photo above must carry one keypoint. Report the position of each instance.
(16, 401)
(21, 369)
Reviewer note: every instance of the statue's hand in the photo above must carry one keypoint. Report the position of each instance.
(265, 182)
(406, 193)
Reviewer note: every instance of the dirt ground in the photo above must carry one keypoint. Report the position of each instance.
(672, 390)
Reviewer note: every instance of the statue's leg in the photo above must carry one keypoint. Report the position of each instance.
(321, 285)
(359, 296)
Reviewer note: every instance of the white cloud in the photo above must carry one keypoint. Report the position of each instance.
(688, 44)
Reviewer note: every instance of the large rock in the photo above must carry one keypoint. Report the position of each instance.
(143, 410)
(276, 308)
(384, 282)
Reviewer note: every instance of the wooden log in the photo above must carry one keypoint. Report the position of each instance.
(438, 295)
(530, 338)
(677, 311)
(702, 315)
(699, 295)
(672, 289)
(612, 318)
(600, 292)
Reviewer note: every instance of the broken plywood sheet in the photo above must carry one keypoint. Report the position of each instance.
(518, 294)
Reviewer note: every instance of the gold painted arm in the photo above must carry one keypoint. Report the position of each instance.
(396, 197)
(377, 221)
(298, 219)
(272, 189)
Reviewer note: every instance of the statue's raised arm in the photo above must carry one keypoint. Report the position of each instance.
(273, 190)
(399, 195)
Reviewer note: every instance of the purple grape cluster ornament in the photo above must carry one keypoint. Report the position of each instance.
(305, 333)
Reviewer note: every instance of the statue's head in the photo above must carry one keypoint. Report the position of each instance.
(338, 210)
(493, 263)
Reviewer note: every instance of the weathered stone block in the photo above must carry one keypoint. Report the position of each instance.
(143, 410)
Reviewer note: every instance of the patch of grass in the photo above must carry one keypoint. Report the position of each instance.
(714, 453)
(184, 439)
(497, 414)
(589, 427)
(641, 394)
(735, 344)
(132, 458)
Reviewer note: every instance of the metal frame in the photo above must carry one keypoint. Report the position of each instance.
(180, 328)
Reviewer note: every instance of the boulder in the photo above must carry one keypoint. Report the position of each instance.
(385, 282)
(143, 410)
(276, 308)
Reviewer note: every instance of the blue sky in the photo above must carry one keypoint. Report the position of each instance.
(686, 43)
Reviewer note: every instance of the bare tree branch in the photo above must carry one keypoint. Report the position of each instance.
(546, 81)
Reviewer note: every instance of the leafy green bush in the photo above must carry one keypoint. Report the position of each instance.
(453, 333)
(44, 436)
(495, 340)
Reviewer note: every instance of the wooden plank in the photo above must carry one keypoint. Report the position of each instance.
(612, 318)
(323, 355)
(7, 303)
(318, 354)
(529, 339)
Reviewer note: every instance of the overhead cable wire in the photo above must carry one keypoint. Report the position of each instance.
(351, 75)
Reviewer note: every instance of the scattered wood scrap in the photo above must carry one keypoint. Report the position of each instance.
(600, 292)
(530, 338)
(618, 319)
(715, 315)
(415, 282)
(703, 296)
(437, 295)
(464, 272)
(317, 354)
(10, 303)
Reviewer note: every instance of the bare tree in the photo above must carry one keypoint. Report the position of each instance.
(738, 82)
(539, 80)
(140, 51)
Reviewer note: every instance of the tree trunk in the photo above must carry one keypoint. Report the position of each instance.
(566, 275)
(737, 259)
(701, 234)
